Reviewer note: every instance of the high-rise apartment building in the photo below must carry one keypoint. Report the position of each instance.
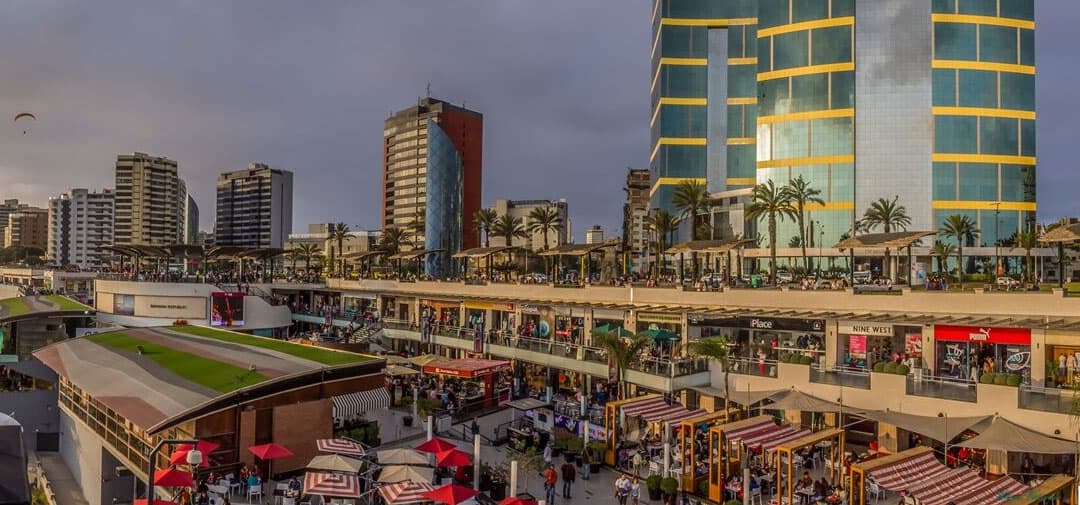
(151, 201)
(9, 206)
(928, 102)
(254, 207)
(191, 221)
(80, 222)
(635, 233)
(432, 166)
(27, 227)
(534, 238)
(594, 235)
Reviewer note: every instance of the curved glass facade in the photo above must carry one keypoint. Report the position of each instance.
(442, 218)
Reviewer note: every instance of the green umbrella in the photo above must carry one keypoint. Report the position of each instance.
(604, 329)
(660, 335)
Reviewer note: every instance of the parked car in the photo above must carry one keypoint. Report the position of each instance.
(1007, 283)
(784, 276)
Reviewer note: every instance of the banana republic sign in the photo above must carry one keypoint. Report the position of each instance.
(868, 329)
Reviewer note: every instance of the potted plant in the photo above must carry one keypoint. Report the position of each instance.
(652, 483)
(497, 476)
(407, 420)
(670, 487)
(574, 446)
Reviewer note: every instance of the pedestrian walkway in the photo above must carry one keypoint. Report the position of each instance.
(61, 482)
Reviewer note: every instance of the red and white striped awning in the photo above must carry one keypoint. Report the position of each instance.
(682, 416)
(998, 491)
(740, 433)
(340, 446)
(771, 444)
(908, 473)
(755, 439)
(942, 484)
(645, 407)
(404, 493)
(332, 484)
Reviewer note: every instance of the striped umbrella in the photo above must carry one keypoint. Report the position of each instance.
(332, 484)
(404, 493)
(340, 446)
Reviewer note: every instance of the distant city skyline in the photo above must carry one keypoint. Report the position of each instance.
(212, 91)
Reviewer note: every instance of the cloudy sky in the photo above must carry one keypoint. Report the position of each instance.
(305, 86)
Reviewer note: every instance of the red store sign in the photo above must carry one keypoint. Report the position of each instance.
(986, 334)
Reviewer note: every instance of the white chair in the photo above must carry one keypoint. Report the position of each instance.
(235, 486)
(254, 491)
(755, 494)
(654, 468)
(874, 490)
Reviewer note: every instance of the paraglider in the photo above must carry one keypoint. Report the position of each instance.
(24, 117)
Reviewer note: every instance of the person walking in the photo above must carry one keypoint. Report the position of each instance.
(635, 491)
(569, 474)
(551, 478)
(586, 463)
(547, 453)
(622, 488)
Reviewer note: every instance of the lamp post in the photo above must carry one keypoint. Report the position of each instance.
(997, 239)
(820, 245)
(194, 458)
(946, 441)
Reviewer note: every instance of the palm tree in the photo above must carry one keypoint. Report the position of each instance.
(294, 255)
(769, 201)
(691, 198)
(663, 223)
(942, 252)
(544, 220)
(309, 252)
(484, 219)
(621, 352)
(391, 242)
(890, 216)
(962, 228)
(508, 228)
(801, 195)
(1028, 240)
(719, 350)
(338, 232)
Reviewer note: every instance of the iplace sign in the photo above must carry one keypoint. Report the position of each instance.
(863, 328)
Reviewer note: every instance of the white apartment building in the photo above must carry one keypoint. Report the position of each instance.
(80, 222)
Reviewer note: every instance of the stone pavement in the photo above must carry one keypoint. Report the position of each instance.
(61, 482)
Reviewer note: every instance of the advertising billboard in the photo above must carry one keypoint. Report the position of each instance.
(124, 305)
(227, 309)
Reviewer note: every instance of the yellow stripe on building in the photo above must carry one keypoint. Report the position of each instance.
(984, 65)
(983, 158)
(846, 205)
(691, 62)
(809, 70)
(803, 116)
(979, 205)
(671, 181)
(676, 141)
(811, 160)
(752, 60)
(741, 141)
(806, 25)
(741, 181)
(742, 100)
(979, 111)
(711, 23)
(983, 20)
(670, 100)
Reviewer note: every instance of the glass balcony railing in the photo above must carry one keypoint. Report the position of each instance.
(753, 366)
(839, 376)
(664, 367)
(1062, 401)
(945, 388)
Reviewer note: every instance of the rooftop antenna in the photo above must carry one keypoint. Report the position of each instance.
(429, 89)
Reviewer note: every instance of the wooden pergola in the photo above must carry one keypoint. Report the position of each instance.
(582, 251)
(857, 493)
(708, 248)
(687, 432)
(1058, 488)
(612, 409)
(893, 240)
(785, 455)
(481, 253)
(721, 456)
(416, 255)
(364, 258)
(1065, 234)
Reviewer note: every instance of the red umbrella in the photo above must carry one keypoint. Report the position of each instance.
(173, 478)
(142, 501)
(514, 500)
(453, 457)
(451, 494)
(435, 446)
(204, 447)
(270, 451)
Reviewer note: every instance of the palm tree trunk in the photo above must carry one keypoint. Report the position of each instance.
(802, 241)
(960, 262)
(772, 247)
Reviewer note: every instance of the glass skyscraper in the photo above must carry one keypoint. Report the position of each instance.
(928, 101)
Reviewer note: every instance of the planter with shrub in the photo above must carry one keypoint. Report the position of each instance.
(670, 487)
(652, 483)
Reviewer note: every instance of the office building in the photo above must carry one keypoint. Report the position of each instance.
(534, 239)
(80, 222)
(27, 227)
(594, 235)
(7, 207)
(191, 222)
(149, 196)
(254, 207)
(844, 94)
(354, 243)
(635, 231)
(432, 166)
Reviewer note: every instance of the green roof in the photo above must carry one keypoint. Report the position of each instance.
(321, 355)
(22, 305)
(66, 303)
(14, 306)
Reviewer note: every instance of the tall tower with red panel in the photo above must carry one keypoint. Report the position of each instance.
(432, 178)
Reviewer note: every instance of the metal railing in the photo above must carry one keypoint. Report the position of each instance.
(1044, 399)
(946, 388)
(840, 376)
(670, 368)
(754, 366)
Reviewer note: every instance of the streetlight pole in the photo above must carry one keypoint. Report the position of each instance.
(997, 239)
(821, 238)
(194, 458)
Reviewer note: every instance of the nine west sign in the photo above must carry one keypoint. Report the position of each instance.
(868, 329)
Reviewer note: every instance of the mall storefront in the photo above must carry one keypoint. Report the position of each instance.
(860, 344)
(759, 342)
(967, 352)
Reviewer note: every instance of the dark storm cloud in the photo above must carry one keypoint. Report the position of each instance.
(305, 86)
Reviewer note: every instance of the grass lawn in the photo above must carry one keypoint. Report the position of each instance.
(66, 303)
(14, 306)
(308, 352)
(215, 375)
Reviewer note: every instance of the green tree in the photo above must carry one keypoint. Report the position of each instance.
(890, 216)
(293, 255)
(544, 220)
(662, 223)
(1027, 240)
(802, 194)
(484, 219)
(508, 228)
(338, 233)
(963, 229)
(942, 252)
(691, 198)
(309, 253)
(719, 350)
(770, 202)
(621, 352)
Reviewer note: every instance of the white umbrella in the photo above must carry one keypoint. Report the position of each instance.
(398, 370)
(335, 463)
(402, 457)
(402, 473)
